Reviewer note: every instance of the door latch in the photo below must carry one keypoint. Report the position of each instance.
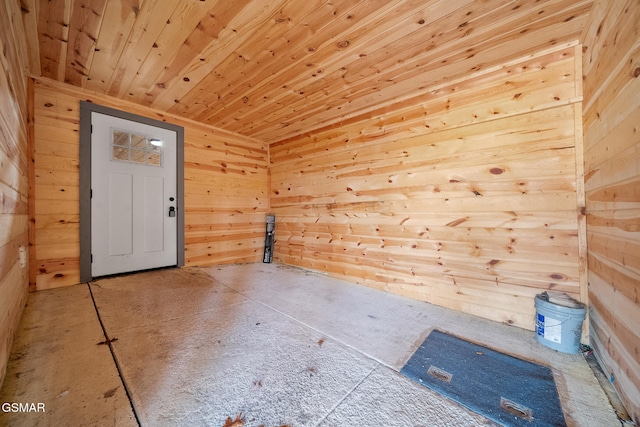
(172, 211)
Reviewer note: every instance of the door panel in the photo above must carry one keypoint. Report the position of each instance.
(133, 186)
(120, 214)
(154, 214)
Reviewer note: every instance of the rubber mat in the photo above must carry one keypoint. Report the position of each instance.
(503, 388)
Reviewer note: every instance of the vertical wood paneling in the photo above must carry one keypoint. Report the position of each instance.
(612, 186)
(225, 187)
(464, 197)
(14, 188)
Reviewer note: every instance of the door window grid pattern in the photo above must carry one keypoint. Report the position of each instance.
(135, 148)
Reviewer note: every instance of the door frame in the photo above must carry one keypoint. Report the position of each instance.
(86, 108)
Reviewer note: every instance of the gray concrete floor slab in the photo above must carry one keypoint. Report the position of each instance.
(276, 344)
(57, 360)
(384, 326)
(248, 359)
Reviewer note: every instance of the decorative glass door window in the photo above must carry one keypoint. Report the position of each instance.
(134, 148)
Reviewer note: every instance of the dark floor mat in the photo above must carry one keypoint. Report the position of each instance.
(503, 388)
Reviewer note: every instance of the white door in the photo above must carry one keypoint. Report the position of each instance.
(133, 196)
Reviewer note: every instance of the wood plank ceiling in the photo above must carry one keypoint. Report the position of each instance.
(273, 69)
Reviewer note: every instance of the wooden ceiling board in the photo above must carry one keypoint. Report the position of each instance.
(171, 41)
(242, 81)
(53, 32)
(29, 10)
(309, 76)
(378, 65)
(451, 58)
(83, 35)
(150, 22)
(121, 16)
(273, 69)
(215, 63)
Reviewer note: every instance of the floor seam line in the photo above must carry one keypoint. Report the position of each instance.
(334, 407)
(250, 298)
(113, 356)
(369, 356)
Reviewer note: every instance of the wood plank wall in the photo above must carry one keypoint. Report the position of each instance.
(464, 196)
(612, 165)
(14, 183)
(226, 197)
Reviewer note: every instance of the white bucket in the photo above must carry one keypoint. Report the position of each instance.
(559, 326)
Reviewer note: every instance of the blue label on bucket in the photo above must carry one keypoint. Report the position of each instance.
(548, 328)
(540, 325)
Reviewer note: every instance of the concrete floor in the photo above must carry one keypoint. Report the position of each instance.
(255, 344)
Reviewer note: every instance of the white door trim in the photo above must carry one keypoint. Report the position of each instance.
(86, 108)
